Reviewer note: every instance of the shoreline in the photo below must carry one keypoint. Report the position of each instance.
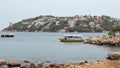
(113, 61)
(95, 64)
(107, 41)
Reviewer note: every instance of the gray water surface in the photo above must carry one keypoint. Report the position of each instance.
(45, 46)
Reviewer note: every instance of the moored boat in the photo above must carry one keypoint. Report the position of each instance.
(72, 38)
(7, 35)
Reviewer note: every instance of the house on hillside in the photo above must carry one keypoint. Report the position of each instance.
(117, 33)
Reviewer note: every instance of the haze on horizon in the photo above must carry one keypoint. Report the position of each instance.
(17, 10)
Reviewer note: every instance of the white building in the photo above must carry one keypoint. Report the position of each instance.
(71, 23)
(57, 22)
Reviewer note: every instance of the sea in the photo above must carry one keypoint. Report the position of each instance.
(45, 47)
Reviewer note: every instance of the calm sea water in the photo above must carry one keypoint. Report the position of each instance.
(45, 46)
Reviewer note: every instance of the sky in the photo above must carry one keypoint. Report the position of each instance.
(17, 10)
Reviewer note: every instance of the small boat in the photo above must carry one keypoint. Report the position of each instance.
(72, 38)
(7, 35)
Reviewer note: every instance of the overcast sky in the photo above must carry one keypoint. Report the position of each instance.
(16, 10)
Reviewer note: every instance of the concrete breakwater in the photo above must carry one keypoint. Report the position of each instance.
(114, 41)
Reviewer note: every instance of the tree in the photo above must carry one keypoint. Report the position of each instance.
(107, 25)
(111, 33)
(32, 28)
(116, 28)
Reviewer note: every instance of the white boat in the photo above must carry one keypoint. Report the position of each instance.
(72, 38)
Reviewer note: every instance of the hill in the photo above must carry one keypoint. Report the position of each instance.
(77, 23)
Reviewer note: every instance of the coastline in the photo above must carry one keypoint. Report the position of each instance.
(109, 41)
(95, 64)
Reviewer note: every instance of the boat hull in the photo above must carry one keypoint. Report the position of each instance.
(63, 40)
(7, 36)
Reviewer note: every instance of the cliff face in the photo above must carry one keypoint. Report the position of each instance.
(65, 24)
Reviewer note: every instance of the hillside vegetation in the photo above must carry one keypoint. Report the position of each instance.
(76, 23)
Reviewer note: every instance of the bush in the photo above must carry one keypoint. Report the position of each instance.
(111, 33)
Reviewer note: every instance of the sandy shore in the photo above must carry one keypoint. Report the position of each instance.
(98, 64)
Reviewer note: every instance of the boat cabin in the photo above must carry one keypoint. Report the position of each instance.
(72, 38)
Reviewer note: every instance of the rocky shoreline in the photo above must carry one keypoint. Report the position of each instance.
(113, 61)
(96, 64)
(110, 41)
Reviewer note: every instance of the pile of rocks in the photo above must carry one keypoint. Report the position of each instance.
(115, 41)
(3, 63)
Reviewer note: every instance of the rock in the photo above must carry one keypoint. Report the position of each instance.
(86, 61)
(114, 56)
(52, 65)
(40, 65)
(32, 66)
(61, 65)
(14, 64)
(114, 41)
(26, 66)
(48, 62)
(26, 61)
(2, 62)
(81, 63)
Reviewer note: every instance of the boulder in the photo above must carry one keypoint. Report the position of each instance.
(40, 65)
(2, 62)
(52, 65)
(26, 66)
(26, 61)
(114, 56)
(14, 64)
(32, 65)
